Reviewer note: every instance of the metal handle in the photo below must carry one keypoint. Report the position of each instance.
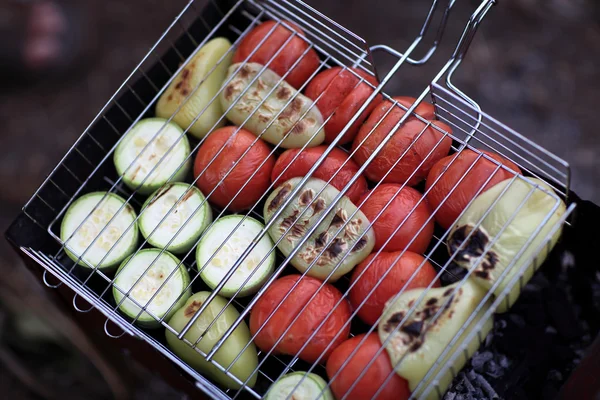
(81, 310)
(48, 284)
(123, 331)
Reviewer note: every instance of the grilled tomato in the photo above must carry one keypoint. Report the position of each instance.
(332, 166)
(406, 209)
(304, 330)
(417, 146)
(263, 45)
(211, 174)
(452, 169)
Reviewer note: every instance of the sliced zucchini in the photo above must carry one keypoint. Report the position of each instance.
(213, 272)
(183, 97)
(310, 388)
(143, 148)
(154, 269)
(99, 251)
(245, 366)
(191, 205)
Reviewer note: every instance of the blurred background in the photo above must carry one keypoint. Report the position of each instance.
(532, 66)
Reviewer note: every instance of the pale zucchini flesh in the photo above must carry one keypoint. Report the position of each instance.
(195, 86)
(540, 206)
(243, 369)
(300, 117)
(213, 267)
(184, 213)
(351, 246)
(146, 274)
(311, 387)
(152, 153)
(82, 226)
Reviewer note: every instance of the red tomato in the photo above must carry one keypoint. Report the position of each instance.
(315, 313)
(340, 94)
(408, 138)
(283, 61)
(402, 204)
(400, 272)
(241, 173)
(330, 166)
(468, 187)
(396, 388)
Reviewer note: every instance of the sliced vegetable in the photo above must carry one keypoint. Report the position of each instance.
(412, 143)
(474, 170)
(332, 166)
(304, 330)
(211, 175)
(267, 116)
(153, 144)
(217, 252)
(310, 388)
(347, 249)
(349, 363)
(118, 239)
(406, 209)
(141, 275)
(201, 80)
(264, 45)
(386, 277)
(245, 366)
(340, 95)
(421, 340)
(540, 210)
(191, 210)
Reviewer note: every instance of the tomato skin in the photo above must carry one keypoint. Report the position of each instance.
(468, 187)
(340, 96)
(402, 205)
(323, 304)
(330, 166)
(408, 136)
(284, 60)
(388, 286)
(375, 376)
(241, 173)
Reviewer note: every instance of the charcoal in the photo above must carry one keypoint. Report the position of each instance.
(450, 396)
(487, 388)
(503, 361)
(561, 314)
(479, 359)
(517, 320)
(494, 370)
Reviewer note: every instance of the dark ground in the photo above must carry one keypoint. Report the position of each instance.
(532, 66)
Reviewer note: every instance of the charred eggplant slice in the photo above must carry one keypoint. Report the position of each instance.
(347, 249)
(490, 249)
(421, 338)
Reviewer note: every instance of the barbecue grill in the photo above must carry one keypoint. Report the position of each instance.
(88, 167)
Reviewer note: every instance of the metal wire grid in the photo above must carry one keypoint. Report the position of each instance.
(82, 282)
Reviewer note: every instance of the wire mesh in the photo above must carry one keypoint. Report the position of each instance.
(457, 124)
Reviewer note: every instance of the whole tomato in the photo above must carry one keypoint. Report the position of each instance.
(405, 203)
(330, 167)
(339, 93)
(412, 144)
(452, 169)
(350, 366)
(375, 266)
(276, 35)
(321, 308)
(213, 176)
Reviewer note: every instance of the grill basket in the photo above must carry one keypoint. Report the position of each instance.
(88, 167)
